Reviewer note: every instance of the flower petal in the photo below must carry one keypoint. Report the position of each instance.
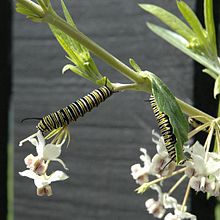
(61, 162)
(198, 149)
(28, 173)
(169, 201)
(33, 141)
(183, 214)
(170, 216)
(145, 157)
(41, 181)
(58, 176)
(199, 165)
(41, 144)
(51, 151)
(213, 164)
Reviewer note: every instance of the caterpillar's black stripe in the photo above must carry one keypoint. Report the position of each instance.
(165, 129)
(75, 110)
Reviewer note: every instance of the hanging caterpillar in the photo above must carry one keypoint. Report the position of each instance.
(165, 129)
(75, 110)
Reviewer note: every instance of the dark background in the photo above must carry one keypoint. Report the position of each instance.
(106, 142)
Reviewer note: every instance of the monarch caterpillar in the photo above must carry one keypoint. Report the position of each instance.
(75, 110)
(165, 129)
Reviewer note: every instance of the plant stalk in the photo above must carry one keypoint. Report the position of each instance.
(141, 84)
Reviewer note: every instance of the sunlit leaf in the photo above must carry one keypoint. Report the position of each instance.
(78, 54)
(210, 25)
(170, 20)
(179, 42)
(67, 14)
(76, 70)
(193, 21)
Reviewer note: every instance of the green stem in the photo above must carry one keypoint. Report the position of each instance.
(94, 48)
(132, 86)
(192, 111)
(218, 115)
(141, 84)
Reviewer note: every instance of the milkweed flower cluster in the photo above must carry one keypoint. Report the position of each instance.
(38, 165)
(202, 170)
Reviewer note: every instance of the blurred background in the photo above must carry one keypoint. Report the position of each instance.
(105, 142)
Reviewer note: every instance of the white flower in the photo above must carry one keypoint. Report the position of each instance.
(48, 152)
(159, 141)
(46, 190)
(155, 208)
(201, 183)
(41, 182)
(165, 199)
(198, 159)
(145, 158)
(203, 164)
(169, 201)
(161, 163)
(170, 216)
(34, 163)
(139, 173)
(216, 191)
(180, 214)
(203, 170)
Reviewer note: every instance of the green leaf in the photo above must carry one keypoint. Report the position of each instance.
(210, 25)
(70, 21)
(134, 65)
(167, 104)
(217, 87)
(77, 53)
(105, 81)
(193, 21)
(30, 14)
(170, 20)
(67, 15)
(179, 42)
(74, 69)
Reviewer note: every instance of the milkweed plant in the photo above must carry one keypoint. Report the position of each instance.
(176, 155)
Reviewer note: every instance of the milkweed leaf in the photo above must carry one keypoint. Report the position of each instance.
(170, 20)
(182, 44)
(167, 104)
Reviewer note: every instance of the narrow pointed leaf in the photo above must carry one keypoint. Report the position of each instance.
(192, 20)
(167, 104)
(67, 15)
(170, 20)
(77, 53)
(75, 69)
(209, 24)
(179, 42)
(134, 65)
(71, 22)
